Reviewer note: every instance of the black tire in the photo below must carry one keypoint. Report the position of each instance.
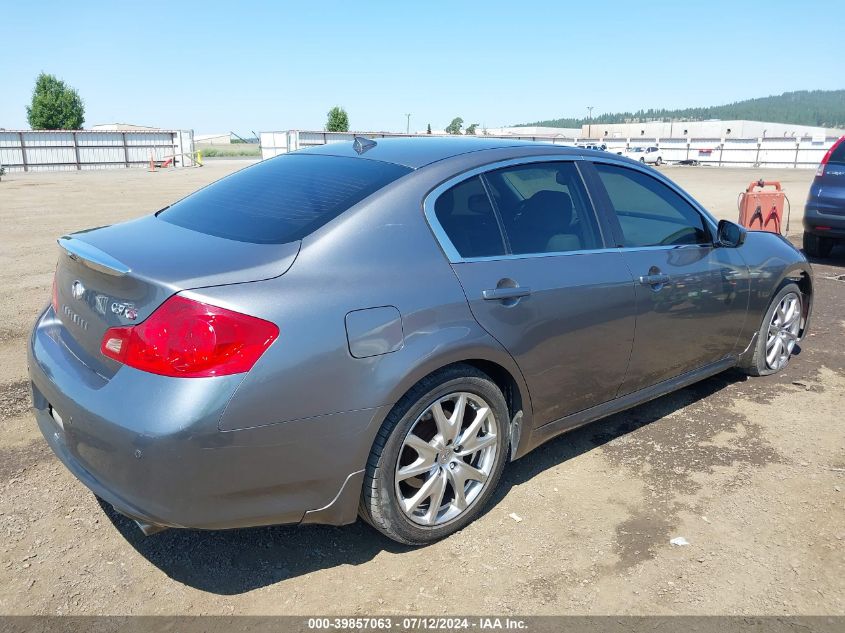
(815, 246)
(659, 161)
(755, 363)
(379, 504)
(642, 160)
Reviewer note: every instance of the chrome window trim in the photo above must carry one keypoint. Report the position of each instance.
(496, 258)
(590, 251)
(666, 247)
(455, 258)
(443, 239)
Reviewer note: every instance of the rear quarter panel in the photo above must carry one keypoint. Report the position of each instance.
(380, 253)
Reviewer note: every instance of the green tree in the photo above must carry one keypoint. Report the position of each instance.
(55, 105)
(471, 129)
(455, 126)
(428, 130)
(338, 120)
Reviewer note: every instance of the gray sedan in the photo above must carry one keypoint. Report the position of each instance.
(376, 328)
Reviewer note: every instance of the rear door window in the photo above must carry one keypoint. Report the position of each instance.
(544, 208)
(282, 199)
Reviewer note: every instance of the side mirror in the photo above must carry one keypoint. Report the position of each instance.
(730, 235)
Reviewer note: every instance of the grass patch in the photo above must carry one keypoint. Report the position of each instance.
(223, 151)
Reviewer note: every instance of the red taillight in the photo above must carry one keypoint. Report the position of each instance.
(188, 339)
(828, 154)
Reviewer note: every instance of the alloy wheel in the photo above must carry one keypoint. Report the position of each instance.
(783, 331)
(446, 459)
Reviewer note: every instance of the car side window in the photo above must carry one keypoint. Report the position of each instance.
(649, 212)
(467, 217)
(544, 208)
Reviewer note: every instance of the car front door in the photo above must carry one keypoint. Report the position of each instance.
(525, 244)
(692, 296)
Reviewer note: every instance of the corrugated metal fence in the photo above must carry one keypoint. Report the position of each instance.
(64, 150)
(796, 153)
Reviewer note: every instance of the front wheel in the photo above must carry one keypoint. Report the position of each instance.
(778, 333)
(438, 457)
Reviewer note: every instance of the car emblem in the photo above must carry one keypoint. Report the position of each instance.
(77, 290)
(102, 303)
(127, 310)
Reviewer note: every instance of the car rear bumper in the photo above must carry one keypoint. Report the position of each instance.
(824, 223)
(150, 446)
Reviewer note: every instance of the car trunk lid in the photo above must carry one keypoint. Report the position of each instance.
(118, 275)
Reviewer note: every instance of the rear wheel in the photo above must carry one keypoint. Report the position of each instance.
(778, 333)
(438, 457)
(659, 161)
(816, 246)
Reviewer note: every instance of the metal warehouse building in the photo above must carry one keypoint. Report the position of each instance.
(706, 129)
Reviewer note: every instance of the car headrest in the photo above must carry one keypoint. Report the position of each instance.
(478, 203)
(550, 211)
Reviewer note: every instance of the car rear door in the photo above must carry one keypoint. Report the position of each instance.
(691, 295)
(525, 244)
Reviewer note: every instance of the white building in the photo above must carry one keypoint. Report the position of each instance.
(704, 129)
(535, 130)
(213, 139)
(122, 127)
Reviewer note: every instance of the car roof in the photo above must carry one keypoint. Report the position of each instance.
(420, 151)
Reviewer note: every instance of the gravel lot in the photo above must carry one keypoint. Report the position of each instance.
(750, 472)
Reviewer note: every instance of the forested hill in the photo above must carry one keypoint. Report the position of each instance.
(824, 108)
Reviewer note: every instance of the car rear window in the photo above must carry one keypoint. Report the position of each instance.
(838, 154)
(282, 199)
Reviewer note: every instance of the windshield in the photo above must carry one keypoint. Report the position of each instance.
(282, 199)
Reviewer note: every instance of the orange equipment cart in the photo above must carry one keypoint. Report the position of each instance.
(762, 210)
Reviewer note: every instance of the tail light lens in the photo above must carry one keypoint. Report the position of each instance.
(826, 157)
(189, 339)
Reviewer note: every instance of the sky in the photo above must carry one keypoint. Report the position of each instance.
(244, 66)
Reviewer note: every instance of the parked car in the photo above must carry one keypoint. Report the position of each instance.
(599, 147)
(651, 154)
(824, 212)
(377, 328)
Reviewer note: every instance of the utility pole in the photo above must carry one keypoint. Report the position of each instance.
(408, 124)
(589, 121)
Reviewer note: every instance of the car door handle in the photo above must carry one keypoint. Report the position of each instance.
(654, 279)
(501, 294)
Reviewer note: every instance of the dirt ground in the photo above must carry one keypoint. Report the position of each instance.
(751, 472)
